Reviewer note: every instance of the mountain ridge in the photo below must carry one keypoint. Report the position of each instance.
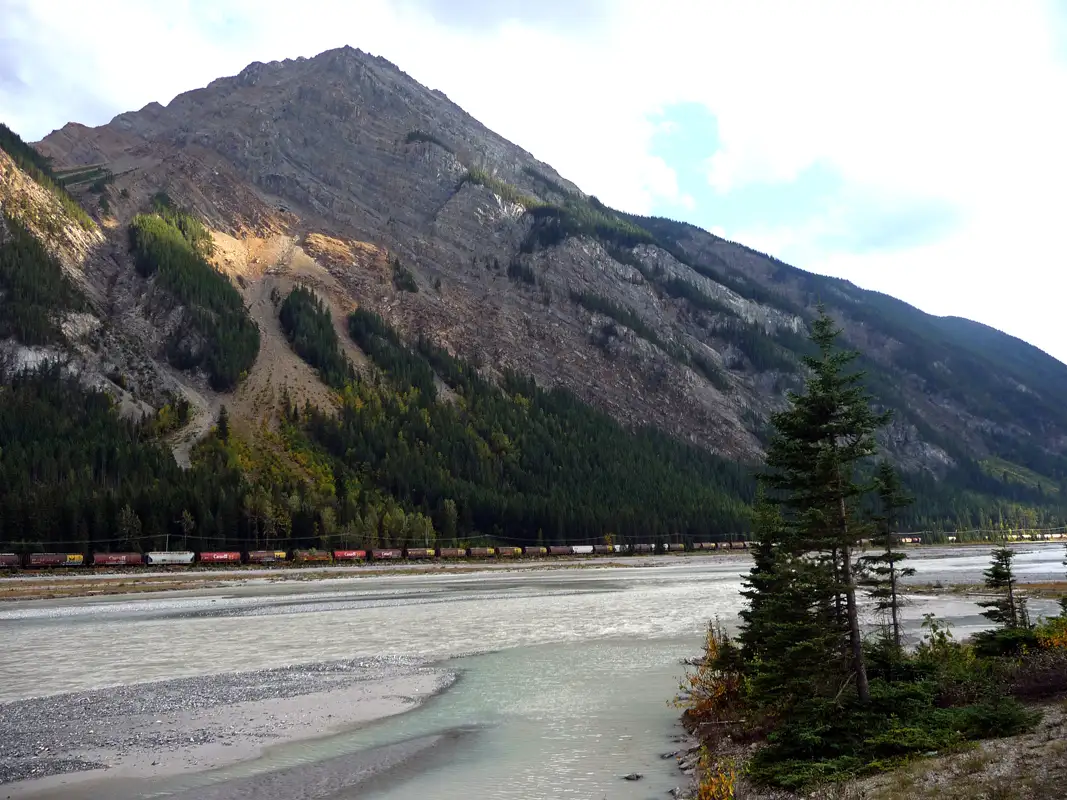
(299, 166)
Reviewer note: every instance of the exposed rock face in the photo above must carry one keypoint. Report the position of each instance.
(357, 165)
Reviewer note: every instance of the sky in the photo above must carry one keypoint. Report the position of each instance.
(915, 148)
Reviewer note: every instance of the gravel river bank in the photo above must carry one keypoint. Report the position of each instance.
(171, 727)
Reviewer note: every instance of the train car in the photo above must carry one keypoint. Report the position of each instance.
(603, 549)
(534, 551)
(676, 548)
(180, 558)
(266, 556)
(10, 560)
(623, 548)
(56, 559)
(644, 548)
(582, 549)
(349, 555)
(561, 550)
(220, 557)
(117, 559)
(452, 552)
(420, 552)
(387, 554)
(482, 552)
(311, 556)
(508, 552)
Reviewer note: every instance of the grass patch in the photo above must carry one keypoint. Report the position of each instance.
(505, 191)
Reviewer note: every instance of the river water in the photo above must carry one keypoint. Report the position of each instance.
(565, 676)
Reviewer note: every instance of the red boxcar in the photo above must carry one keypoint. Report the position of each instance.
(349, 555)
(56, 559)
(534, 551)
(452, 552)
(509, 551)
(560, 551)
(387, 554)
(420, 552)
(265, 556)
(220, 558)
(9, 560)
(602, 549)
(117, 559)
(482, 552)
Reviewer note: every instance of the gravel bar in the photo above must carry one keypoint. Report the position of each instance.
(98, 729)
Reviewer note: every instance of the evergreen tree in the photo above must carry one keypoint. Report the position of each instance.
(187, 524)
(882, 572)
(451, 518)
(129, 526)
(1008, 610)
(223, 425)
(817, 445)
(788, 637)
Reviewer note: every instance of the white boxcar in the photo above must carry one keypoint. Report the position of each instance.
(176, 557)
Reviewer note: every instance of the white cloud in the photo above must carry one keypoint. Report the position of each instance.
(955, 104)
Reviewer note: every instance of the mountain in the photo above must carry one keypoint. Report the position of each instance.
(342, 174)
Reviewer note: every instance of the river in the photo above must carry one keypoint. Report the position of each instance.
(564, 675)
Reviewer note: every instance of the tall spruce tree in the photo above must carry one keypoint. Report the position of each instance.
(882, 571)
(808, 565)
(788, 638)
(1009, 609)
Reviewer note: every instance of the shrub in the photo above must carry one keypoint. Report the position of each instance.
(1005, 642)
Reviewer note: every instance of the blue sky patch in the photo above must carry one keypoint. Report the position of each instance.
(689, 138)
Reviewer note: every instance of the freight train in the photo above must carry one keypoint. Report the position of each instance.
(187, 558)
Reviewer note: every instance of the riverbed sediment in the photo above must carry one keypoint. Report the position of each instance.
(153, 730)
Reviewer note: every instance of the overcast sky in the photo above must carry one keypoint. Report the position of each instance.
(917, 148)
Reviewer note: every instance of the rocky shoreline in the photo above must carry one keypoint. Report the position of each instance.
(170, 727)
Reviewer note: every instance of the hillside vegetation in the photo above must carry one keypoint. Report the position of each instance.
(34, 290)
(217, 333)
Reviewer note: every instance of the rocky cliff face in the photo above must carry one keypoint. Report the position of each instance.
(342, 171)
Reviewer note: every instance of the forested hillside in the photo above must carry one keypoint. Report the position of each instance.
(399, 463)
(216, 334)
